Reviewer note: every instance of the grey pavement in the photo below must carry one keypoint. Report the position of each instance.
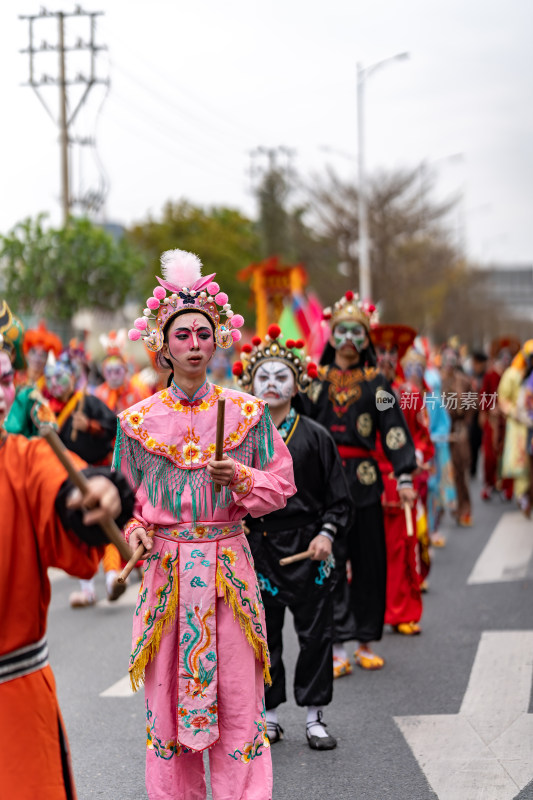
(425, 675)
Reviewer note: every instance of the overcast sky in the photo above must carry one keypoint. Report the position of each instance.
(196, 86)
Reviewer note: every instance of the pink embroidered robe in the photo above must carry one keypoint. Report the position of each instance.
(200, 551)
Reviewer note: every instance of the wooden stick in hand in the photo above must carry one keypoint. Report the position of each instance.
(138, 553)
(79, 407)
(296, 557)
(109, 526)
(219, 443)
(408, 519)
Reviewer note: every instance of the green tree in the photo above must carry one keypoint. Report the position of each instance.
(225, 240)
(56, 272)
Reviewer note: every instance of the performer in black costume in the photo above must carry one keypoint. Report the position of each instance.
(311, 520)
(353, 401)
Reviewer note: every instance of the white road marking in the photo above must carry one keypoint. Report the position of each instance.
(121, 688)
(508, 552)
(485, 752)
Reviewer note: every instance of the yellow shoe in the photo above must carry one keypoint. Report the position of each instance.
(438, 540)
(368, 660)
(408, 628)
(424, 587)
(341, 667)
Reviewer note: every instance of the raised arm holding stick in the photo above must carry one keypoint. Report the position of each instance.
(80, 481)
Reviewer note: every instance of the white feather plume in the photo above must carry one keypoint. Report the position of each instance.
(181, 268)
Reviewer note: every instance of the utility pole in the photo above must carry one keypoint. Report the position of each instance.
(63, 82)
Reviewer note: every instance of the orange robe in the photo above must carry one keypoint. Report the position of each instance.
(32, 539)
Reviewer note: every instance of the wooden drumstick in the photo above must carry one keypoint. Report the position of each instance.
(296, 557)
(408, 519)
(138, 553)
(79, 407)
(109, 526)
(219, 443)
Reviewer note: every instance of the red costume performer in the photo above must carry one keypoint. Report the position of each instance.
(40, 529)
(404, 599)
(493, 420)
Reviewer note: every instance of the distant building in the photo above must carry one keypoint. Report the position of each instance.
(511, 287)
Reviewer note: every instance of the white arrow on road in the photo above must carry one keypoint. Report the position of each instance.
(485, 752)
(508, 552)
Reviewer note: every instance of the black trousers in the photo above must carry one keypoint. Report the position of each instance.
(313, 677)
(360, 607)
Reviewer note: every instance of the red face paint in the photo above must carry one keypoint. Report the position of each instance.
(190, 343)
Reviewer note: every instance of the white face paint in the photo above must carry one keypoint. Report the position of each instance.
(273, 382)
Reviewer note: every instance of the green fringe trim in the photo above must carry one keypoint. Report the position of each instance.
(164, 482)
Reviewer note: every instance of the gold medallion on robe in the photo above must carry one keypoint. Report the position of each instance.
(364, 424)
(366, 472)
(395, 438)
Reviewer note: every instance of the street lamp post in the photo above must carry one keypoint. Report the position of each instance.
(365, 282)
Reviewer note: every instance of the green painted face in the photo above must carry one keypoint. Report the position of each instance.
(349, 333)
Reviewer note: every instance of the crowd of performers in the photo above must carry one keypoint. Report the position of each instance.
(326, 500)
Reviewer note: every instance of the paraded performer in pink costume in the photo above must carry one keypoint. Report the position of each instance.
(199, 638)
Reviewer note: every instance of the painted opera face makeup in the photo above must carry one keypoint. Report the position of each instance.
(114, 371)
(349, 336)
(7, 386)
(414, 371)
(36, 359)
(59, 382)
(190, 343)
(274, 382)
(387, 360)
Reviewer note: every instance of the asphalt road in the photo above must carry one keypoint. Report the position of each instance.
(426, 675)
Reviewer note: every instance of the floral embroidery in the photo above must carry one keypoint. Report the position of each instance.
(163, 594)
(135, 419)
(249, 608)
(231, 555)
(171, 399)
(252, 749)
(191, 453)
(243, 480)
(200, 719)
(154, 743)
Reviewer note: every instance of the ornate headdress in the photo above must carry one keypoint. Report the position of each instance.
(414, 356)
(387, 336)
(114, 343)
(43, 338)
(350, 309)
(304, 370)
(11, 334)
(189, 291)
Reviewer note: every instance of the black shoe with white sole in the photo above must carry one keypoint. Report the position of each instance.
(319, 742)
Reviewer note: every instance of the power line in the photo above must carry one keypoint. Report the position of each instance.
(211, 110)
(201, 132)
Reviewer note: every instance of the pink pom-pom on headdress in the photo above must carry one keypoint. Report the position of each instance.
(141, 323)
(159, 292)
(221, 298)
(134, 335)
(153, 302)
(236, 336)
(213, 288)
(237, 321)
